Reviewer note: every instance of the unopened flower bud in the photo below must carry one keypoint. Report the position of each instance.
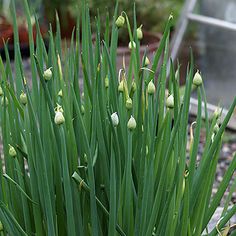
(106, 82)
(170, 102)
(47, 74)
(121, 86)
(1, 91)
(129, 103)
(139, 32)
(217, 113)
(59, 118)
(197, 79)
(132, 45)
(120, 21)
(23, 98)
(216, 128)
(115, 119)
(147, 62)
(12, 151)
(131, 123)
(60, 94)
(133, 86)
(1, 226)
(151, 87)
(4, 101)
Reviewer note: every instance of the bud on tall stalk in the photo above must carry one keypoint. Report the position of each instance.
(197, 79)
(129, 103)
(131, 123)
(151, 88)
(115, 119)
(59, 118)
(120, 21)
(12, 151)
(132, 45)
(23, 98)
(139, 32)
(47, 74)
(170, 102)
(4, 100)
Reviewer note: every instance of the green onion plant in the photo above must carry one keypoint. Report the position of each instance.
(92, 149)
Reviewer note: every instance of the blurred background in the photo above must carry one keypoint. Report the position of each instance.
(214, 47)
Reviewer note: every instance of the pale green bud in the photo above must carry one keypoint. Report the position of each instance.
(23, 98)
(197, 79)
(59, 118)
(1, 226)
(132, 45)
(216, 128)
(151, 87)
(139, 32)
(47, 74)
(4, 101)
(60, 94)
(129, 103)
(170, 102)
(115, 119)
(120, 21)
(106, 82)
(121, 86)
(147, 62)
(12, 151)
(131, 123)
(217, 113)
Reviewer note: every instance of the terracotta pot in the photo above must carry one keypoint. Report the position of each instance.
(150, 43)
(6, 32)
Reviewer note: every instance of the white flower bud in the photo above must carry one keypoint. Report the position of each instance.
(131, 123)
(23, 98)
(1, 91)
(151, 87)
(132, 45)
(129, 103)
(139, 32)
(47, 74)
(12, 151)
(170, 102)
(59, 118)
(120, 21)
(115, 119)
(197, 79)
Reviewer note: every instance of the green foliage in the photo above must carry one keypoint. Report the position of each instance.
(80, 169)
